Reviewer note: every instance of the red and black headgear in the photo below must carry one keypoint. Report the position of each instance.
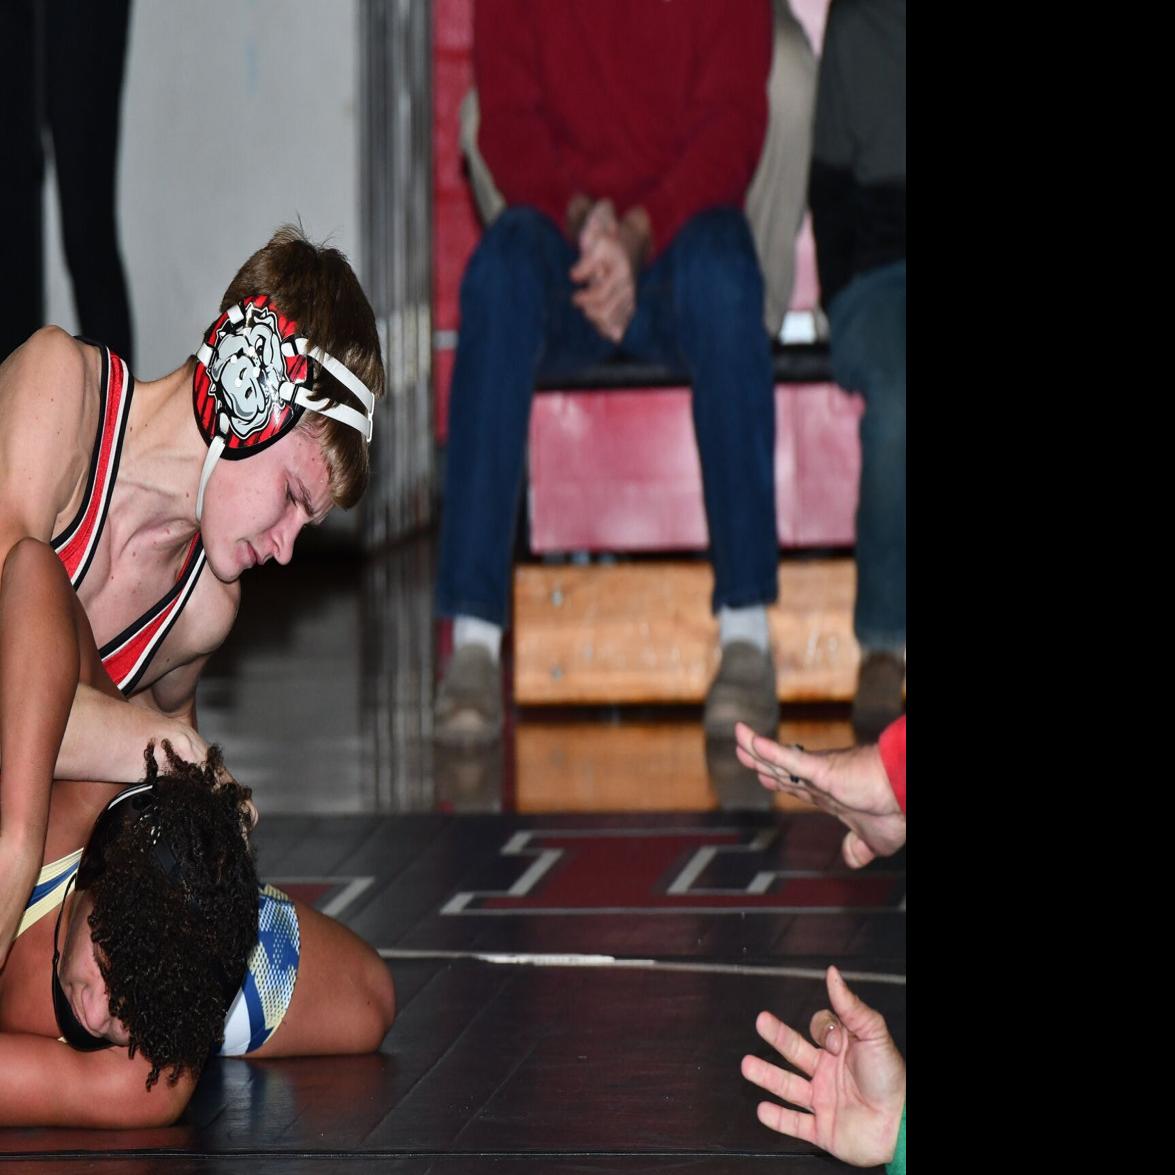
(253, 381)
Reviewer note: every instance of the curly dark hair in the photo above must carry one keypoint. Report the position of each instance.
(168, 952)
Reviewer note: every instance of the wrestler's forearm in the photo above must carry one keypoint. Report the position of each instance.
(39, 663)
(105, 738)
(38, 676)
(44, 1082)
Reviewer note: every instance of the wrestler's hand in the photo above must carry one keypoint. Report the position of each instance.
(19, 865)
(850, 784)
(252, 816)
(853, 1083)
(183, 740)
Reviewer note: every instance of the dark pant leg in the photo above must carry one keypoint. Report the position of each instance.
(22, 283)
(867, 323)
(85, 56)
(516, 315)
(701, 304)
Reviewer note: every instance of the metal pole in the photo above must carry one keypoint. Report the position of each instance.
(397, 166)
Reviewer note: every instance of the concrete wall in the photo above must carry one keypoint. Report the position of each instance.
(238, 115)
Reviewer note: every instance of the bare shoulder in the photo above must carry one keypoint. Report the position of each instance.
(46, 410)
(49, 368)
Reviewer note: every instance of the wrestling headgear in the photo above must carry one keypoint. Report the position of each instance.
(253, 382)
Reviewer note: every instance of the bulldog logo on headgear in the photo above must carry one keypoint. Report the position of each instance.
(253, 382)
(248, 372)
(245, 365)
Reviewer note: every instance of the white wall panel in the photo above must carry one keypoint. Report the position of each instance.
(238, 115)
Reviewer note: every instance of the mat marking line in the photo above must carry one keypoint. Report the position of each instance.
(353, 887)
(585, 960)
(456, 906)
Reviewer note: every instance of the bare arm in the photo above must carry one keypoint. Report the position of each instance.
(105, 738)
(44, 1082)
(53, 722)
(38, 677)
(42, 392)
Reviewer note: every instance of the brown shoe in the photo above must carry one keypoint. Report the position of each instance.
(468, 710)
(742, 691)
(879, 694)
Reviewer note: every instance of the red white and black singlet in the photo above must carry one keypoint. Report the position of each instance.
(127, 656)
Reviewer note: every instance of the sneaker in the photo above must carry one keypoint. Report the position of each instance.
(879, 694)
(468, 710)
(742, 691)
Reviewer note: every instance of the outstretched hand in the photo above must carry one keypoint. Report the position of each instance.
(850, 784)
(853, 1084)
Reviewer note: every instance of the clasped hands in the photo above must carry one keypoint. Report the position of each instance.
(611, 253)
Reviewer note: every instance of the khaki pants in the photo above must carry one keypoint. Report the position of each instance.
(777, 197)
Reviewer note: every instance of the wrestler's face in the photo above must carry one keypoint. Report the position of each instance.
(81, 980)
(254, 509)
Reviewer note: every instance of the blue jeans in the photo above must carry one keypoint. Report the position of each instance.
(699, 307)
(867, 324)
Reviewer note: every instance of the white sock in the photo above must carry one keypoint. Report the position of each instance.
(469, 630)
(744, 624)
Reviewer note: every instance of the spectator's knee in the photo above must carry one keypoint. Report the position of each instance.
(510, 248)
(883, 425)
(718, 273)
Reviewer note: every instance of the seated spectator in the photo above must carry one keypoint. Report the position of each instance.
(858, 199)
(623, 138)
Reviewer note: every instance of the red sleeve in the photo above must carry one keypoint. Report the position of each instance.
(893, 754)
(728, 118)
(514, 134)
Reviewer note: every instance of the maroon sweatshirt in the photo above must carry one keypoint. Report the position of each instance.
(893, 757)
(660, 103)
